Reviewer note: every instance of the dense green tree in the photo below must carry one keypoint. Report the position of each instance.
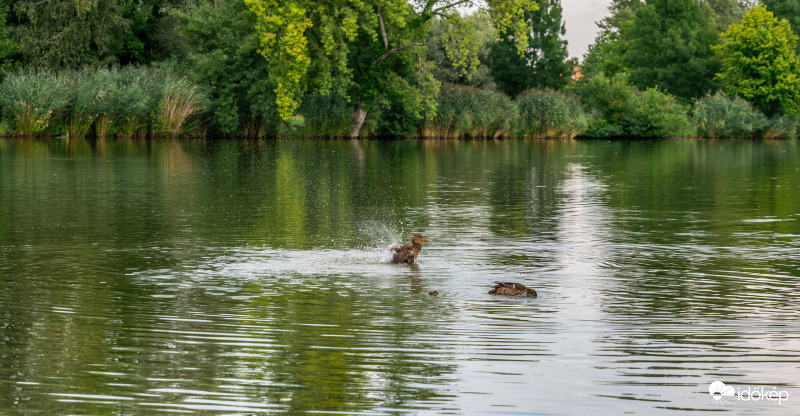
(668, 45)
(443, 33)
(544, 63)
(155, 26)
(785, 9)
(70, 33)
(8, 48)
(366, 48)
(605, 54)
(224, 56)
(728, 12)
(619, 12)
(759, 62)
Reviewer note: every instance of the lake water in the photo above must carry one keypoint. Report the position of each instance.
(247, 277)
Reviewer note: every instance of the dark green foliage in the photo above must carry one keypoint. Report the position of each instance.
(70, 33)
(400, 110)
(721, 116)
(621, 110)
(224, 57)
(728, 12)
(154, 31)
(668, 45)
(544, 64)
(785, 9)
(605, 54)
(471, 112)
(9, 49)
(62, 34)
(322, 116)
(549, 113)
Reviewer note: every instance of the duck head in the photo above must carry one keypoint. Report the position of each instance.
(418, 239)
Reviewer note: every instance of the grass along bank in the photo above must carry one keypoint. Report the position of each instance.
(140, 101)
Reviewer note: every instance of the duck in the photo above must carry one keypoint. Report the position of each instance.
(512, 289)
(408, 253)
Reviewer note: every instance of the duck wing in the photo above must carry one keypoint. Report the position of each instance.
(512, 289)
(403, 254)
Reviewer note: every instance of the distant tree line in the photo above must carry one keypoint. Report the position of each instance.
(255, 68)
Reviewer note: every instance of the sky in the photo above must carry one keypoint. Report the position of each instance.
(579, 19)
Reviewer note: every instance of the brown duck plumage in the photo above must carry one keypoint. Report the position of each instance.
(512, 289)
(408, 253)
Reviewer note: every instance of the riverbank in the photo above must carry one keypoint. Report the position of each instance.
(140, 101)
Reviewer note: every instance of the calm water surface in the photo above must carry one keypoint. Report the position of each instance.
(247, 277)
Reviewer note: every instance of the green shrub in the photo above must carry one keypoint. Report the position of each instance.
(782, 127)
(621, 110)
(323, 115)
(656, 114)
(550, 113)
(471, 112)
(34, 100)
(721, 116)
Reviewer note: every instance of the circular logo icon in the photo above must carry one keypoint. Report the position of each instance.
(718, 389)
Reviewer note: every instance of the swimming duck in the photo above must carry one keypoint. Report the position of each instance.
(512, 289)
(408, 253)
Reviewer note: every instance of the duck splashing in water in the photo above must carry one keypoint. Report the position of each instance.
(408, 253)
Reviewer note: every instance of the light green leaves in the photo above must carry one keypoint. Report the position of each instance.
(759, 62)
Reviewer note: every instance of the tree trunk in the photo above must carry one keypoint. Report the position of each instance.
(358, 121)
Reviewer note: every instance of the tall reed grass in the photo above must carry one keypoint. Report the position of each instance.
(471, 112)
(180, 101)
(550, 114)
(131, 101)
(33, 100)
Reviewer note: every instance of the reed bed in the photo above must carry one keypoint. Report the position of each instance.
(550, 114)
(34, 100)
(132, 101)
(471, 112)
(718, 116)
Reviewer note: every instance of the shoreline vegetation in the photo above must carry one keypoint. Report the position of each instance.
(305, 69)
(139, 101)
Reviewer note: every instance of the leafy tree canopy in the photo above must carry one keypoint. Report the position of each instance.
(301, 37)
(785, 9)
(8, 48)
(446, 33)
(668, 45)
(70, 33)
(759, 62)
(544, 63)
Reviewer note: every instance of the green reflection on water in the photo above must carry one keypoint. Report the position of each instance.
(155, 271)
